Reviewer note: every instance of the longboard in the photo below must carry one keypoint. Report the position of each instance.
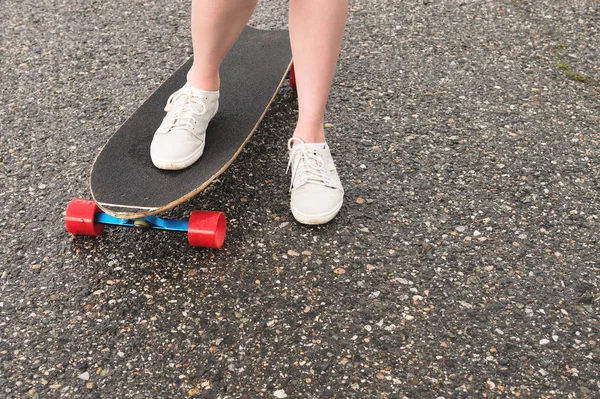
(126, 185)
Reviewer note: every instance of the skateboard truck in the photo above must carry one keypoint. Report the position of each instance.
(204, 228)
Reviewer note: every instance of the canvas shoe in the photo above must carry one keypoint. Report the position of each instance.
(179, 141)
(316, 190)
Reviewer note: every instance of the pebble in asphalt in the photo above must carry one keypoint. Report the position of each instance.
(464, 263)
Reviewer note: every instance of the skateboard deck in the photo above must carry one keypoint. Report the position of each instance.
(124, 182)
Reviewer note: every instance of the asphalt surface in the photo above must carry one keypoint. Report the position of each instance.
(464, 263)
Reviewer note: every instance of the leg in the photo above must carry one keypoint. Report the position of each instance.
(216, 25)
(316, 32)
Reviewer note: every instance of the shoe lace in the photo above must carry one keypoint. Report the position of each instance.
(184, 116)
(310, 167)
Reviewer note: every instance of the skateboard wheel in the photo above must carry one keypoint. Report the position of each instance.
(292, 77)
(80, 218)
(206, 229)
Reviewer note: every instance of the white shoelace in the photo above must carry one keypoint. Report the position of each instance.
(183, 117)
(310, 168)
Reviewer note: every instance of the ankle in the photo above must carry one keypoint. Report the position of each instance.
(314, 135)
(208, 82)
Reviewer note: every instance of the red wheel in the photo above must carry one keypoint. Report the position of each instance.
(292, 77)
(207, 229)
(80, 218)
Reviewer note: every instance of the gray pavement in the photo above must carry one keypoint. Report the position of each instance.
(465, 262)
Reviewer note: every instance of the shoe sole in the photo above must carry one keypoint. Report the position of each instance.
(315, 219)
(179, 164)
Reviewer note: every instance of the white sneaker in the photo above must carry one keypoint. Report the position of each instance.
(179, 141)
(316, 190)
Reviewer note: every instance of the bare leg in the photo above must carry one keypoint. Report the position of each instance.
(316, 32)
(216, 25)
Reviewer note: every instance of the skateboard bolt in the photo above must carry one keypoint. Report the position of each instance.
(141, 224)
